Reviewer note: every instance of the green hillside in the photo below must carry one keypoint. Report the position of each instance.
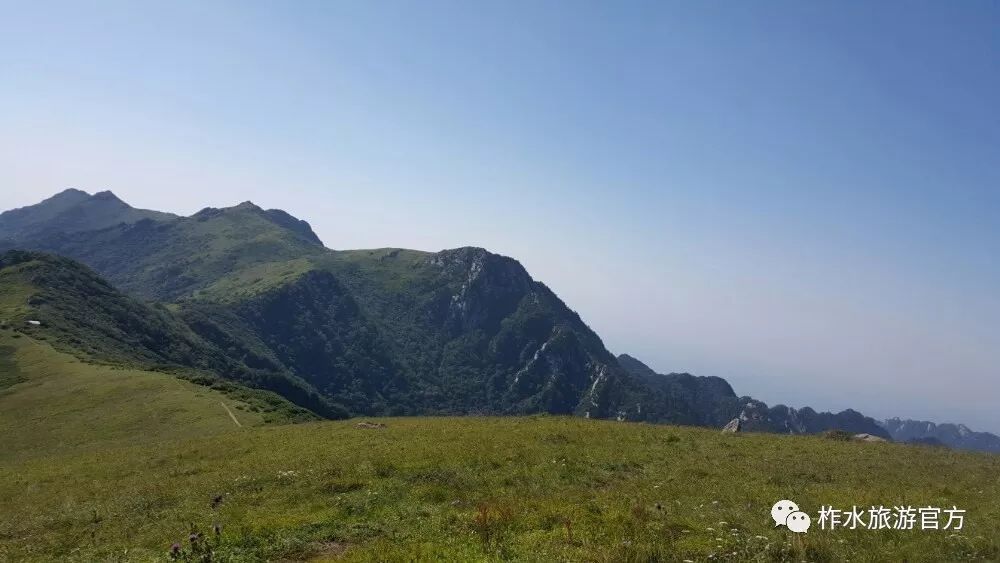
(166, 259)
(104, 464)
(56, 404)
(80, 313)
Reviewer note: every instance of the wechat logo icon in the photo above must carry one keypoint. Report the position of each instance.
(787, 513)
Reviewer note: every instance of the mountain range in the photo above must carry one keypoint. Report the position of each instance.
(952, 435)
(254, 297)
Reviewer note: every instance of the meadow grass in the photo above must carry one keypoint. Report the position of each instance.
(63, 405)
(106, 464)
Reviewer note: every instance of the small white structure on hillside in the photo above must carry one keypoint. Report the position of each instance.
(34, 323)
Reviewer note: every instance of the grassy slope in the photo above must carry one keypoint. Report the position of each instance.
(62, 406)
(98, 461)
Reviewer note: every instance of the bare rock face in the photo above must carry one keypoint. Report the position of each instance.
(733, 426)
(869, 438)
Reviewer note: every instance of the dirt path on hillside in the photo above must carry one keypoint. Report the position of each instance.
(236, 422)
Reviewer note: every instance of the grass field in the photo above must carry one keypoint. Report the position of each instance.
(63, 406)
(101, 464)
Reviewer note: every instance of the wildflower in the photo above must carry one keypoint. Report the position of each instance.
(175, 549)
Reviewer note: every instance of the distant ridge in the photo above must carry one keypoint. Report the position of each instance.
(72, 211)
(157, 255)
(710, 401)
(957, 436)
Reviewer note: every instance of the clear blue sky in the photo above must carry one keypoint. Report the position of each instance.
(802, 197)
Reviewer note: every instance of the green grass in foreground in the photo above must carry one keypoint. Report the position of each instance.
(104, 464)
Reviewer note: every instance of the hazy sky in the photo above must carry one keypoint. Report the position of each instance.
(801, 197)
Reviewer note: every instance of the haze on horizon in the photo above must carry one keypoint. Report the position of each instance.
(802, 198)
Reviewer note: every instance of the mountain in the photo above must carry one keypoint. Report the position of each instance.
(77, 311)
(701, 401)
(757, 416)
(390, 331)
(473, 332)
(71, 211)
(254, 296)
(167, 257)
(452, 355)
(710, 401)
(952, 435)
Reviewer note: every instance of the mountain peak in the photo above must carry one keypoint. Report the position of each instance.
(633, 365)
(248, 206)
(277, 217)
(71, 192)
(109, 196)
(71, 211)
(294, 224)
(65, 198)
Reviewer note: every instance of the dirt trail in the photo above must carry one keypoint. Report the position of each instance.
(236, 422)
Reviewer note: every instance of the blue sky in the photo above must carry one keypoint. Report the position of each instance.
(800, 197)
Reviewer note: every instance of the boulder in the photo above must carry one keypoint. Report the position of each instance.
(869, 438)
(734, 425)
(370, 425)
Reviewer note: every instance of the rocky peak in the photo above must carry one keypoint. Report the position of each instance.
(486, 287)
(472, 264)
(635, 366)
(780, 418)
(247, 206)
(71, 194)
(294, 224)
